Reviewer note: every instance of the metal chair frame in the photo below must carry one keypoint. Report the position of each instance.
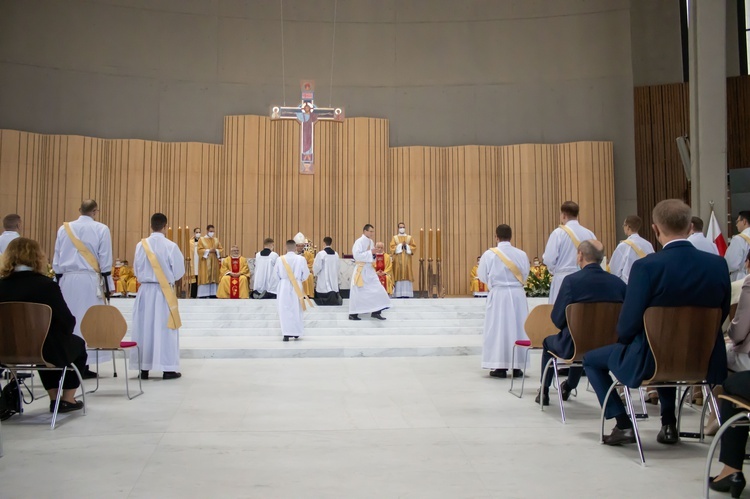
(545, 307)
(733, 421)
(125, 359)
(45, 315)
(706, 387)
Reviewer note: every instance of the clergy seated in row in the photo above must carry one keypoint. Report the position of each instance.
(265, 282)
(126, 283)
(476, 287)
(326, 270)
(304, 249)
(235, 276)
(383, 266)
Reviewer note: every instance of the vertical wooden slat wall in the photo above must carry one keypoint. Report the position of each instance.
(250, 187)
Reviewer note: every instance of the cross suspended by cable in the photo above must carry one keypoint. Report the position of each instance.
(307, 113)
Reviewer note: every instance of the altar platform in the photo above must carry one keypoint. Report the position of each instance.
(232, 329)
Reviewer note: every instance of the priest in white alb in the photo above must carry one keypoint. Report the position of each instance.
(739, 247)
(291, 270)
(156, 318)
(83, 265)
(562, 247)
(631, 249)
(265, 282)
(700, 241)
(326, 270)
(504, 269)
(402, 252)
(366, 295)
(11, 230)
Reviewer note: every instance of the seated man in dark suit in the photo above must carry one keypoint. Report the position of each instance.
(590, 284)
(679, 275)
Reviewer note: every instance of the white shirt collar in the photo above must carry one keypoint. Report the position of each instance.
(158, 234)
(22, 268)
(673, 241)
(11, 232)
(572, 222)
(503, 243)
(86, 218)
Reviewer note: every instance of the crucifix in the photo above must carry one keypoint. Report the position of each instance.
(307, 113)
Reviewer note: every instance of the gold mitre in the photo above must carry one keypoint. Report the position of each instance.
(299, 238)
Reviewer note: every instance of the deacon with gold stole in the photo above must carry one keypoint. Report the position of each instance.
(504, 269)
(402, 249)
(209, 253)
(309, 255)
(156, 317)
(383, 267)
(235, 276)
(291, 271)
(476, 286)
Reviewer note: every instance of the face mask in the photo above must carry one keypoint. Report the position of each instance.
(402, 230)
(210, 234)
(197, 236)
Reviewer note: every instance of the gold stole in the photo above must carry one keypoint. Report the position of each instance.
(358, 280)
(636, 248)
(82, 249)
(234, 282)
(303, 298)
(512, 266)
(745, 237)
(572, 235)
(174, 321)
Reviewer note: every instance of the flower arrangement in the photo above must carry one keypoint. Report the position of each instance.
(538, 282)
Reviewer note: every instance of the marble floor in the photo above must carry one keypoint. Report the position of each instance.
(425, 427)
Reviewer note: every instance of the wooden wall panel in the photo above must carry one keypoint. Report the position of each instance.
(250, 188)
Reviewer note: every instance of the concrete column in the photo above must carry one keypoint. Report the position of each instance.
(708, 109)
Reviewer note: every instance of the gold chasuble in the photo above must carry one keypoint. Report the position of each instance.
(126, 282)
(402, 269)
(383, 266)
(475, 285)
(209, 268)
(309, 284)
(234, 287)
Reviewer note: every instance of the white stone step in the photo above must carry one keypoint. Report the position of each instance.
(329, 346)
(250, 329)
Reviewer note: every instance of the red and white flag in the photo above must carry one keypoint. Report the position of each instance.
(714, 235)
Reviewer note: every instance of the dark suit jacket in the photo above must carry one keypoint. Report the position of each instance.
(677, 276)
(32, 287)
(591, 284)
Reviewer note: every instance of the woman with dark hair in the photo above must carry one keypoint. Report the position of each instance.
(23, 278)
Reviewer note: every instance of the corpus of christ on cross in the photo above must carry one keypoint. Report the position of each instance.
(307, 113)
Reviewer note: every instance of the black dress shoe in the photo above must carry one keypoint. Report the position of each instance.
(88, 374)
(545, 398)
(734, 484)
(65, 406)
(499, 373)
(376, 315)
(354, 317)
(619, 437)
(144, 374)
(286, 338)
(566, 390)
(171, 375)
(668, 435)
(517, 373)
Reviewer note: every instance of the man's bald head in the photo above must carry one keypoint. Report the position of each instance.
(89, 207)
(591, 251)
(379, 247)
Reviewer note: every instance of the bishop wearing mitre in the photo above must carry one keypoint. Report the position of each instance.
(235, 276)
(209, 266)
